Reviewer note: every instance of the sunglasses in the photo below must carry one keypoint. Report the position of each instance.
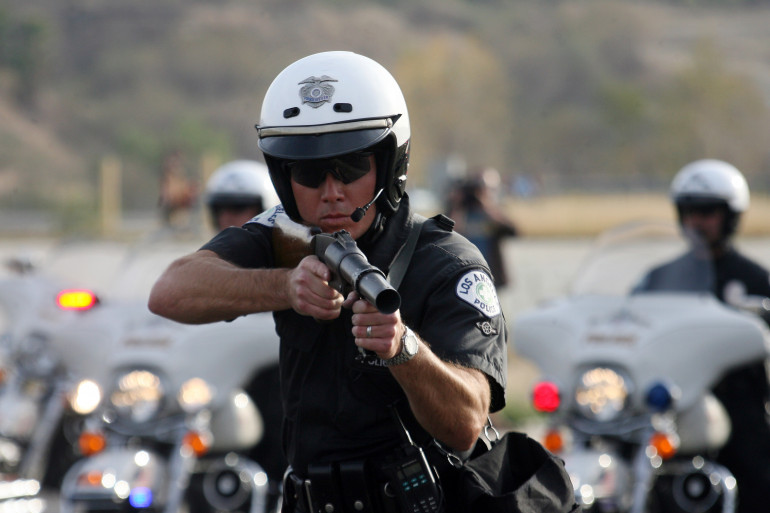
(701, 210)
(345, 168)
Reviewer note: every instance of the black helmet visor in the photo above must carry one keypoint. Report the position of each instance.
(323, 141)
(299, 147)
(696, 201)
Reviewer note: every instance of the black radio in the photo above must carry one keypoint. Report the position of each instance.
(413, 483)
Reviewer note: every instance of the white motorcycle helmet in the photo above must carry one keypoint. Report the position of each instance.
(711, 182)
(240, 183)
(330, 104)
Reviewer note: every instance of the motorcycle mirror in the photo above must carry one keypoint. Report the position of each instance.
(758, 305)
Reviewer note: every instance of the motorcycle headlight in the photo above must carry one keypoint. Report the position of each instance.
(137, 395)
(86, 397)
(601, 393)
(194, 394)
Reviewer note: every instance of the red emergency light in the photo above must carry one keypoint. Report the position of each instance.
(545, 397)
(76, 299)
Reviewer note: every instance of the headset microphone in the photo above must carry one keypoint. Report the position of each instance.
(360, 212)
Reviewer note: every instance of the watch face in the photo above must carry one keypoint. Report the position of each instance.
(410, 343)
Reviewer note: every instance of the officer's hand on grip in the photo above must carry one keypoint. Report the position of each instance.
(375, 330)
(309, 291)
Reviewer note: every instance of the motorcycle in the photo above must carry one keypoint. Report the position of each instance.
(33, 383)
(34, 376)
(36, 369)
(168, 423)
(626, 378)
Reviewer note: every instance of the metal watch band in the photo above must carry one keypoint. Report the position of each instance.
(403, 356)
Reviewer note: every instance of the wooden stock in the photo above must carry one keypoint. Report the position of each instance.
(291, 242)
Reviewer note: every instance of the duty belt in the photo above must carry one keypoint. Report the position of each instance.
(339, 487)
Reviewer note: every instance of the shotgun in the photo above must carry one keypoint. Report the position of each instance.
(349, 266)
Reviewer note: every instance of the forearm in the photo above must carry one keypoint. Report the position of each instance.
(219, 290)
(449, 401)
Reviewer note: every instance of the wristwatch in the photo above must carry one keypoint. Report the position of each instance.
(409, 348)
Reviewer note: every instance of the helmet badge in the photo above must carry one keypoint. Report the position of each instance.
(697, 182)
(316, 91)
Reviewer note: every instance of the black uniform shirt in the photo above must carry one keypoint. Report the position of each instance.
(335, 397)
(691, 273)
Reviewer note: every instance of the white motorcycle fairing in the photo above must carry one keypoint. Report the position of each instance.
(655, 337)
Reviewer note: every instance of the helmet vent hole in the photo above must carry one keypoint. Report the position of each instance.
(291, 112)
(343, 107)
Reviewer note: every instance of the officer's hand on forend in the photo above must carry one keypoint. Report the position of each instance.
(352, 271)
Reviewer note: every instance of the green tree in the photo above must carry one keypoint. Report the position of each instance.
(23, 52)
(710, 111)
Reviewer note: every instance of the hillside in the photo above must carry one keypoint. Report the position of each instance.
(32, 154)
(598, 95)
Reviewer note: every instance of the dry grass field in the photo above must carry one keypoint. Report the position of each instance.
(578, 215)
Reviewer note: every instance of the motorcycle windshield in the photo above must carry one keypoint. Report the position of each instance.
(643, 257)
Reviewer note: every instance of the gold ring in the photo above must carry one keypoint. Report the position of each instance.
(368, 332)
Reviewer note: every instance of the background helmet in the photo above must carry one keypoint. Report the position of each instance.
(330, 104)
(711, 182)
(240, 183)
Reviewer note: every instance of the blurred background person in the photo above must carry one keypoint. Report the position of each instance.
(474, 207)
(177, 191)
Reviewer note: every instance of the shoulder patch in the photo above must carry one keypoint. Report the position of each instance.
(477, 289)
(267, 218)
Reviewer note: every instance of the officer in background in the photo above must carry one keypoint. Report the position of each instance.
(236, 192)
(335, 133)
(710, 196)
(474, 207)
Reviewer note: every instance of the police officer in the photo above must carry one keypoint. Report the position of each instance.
(237, 191)
(710, 196)
(335, 133)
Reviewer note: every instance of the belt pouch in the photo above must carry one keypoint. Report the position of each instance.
(355, 490)
(324, 488)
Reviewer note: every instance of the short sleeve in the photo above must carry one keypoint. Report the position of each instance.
(245, 247)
